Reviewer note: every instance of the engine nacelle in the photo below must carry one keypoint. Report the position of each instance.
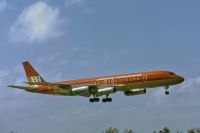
(135, 92)
(82, 88)
(104, 91)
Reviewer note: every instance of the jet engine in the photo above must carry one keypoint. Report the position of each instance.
(82, 88)
(135, 92)
(107, 90)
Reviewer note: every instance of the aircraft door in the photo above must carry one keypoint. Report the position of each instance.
(145, 77)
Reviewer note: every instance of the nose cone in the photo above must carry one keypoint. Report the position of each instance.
(180, 79)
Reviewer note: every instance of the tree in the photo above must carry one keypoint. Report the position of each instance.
(154, 131)
(111, 130)
(128, 131)
(194, 130)
(164, 130)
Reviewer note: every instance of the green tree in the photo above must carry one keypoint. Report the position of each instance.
(128, 131)
(198, 130)
(164, 130)
(194, 130)
(154, 131)
(111, 130)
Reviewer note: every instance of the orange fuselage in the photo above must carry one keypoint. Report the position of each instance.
(123, 82)
(161, 78)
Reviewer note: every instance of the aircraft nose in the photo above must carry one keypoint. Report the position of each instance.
(181, 79)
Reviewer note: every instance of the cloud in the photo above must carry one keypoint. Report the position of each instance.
(3, 5)
(3, 74)
(74, 2)
(38, 22)
(82, 4)
(12, 76)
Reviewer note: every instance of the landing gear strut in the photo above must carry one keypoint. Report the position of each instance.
(166, 92)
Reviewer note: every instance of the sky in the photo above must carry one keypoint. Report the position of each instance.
(70, 39)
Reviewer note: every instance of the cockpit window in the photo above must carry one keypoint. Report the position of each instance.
(171, 73)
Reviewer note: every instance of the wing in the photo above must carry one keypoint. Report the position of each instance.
(83, 89)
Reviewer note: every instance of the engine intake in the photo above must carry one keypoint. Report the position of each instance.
(135, 92)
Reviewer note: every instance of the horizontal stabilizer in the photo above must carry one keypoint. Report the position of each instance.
(19, 87)
(63, 86)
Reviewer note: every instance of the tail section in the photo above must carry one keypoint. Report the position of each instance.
(31, 74)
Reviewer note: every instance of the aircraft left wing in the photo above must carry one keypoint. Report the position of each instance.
(82, 90)
(64, 86)
(19, 87)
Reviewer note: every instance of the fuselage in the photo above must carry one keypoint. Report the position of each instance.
(132, 80)
(123, 82)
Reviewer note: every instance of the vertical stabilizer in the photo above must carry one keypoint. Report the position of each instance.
(31, 74)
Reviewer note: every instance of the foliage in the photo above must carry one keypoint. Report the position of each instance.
(128, 131)
(115, 130)
(164, 130)
(194, 130)
(111, 130)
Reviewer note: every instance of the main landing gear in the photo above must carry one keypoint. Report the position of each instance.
(96, 99)
(107, 99)
(166, 88)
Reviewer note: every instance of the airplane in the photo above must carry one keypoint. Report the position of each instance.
(130, 84)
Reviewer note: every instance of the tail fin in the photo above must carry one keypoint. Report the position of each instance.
(31, 74)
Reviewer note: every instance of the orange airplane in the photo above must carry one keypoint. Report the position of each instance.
(130, 84)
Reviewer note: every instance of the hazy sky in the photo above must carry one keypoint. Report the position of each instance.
(70, 39)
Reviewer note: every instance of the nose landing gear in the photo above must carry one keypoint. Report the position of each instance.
(166, 88)
(166, 92)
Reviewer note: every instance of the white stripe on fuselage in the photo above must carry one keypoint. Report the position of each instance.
(115, 77)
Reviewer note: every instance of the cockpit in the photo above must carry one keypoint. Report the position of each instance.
(171, 73)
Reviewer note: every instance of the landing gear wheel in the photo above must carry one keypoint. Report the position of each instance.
(91, 100)
(109, 99)
(104, 100)
(96, 99)
(166, 92)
